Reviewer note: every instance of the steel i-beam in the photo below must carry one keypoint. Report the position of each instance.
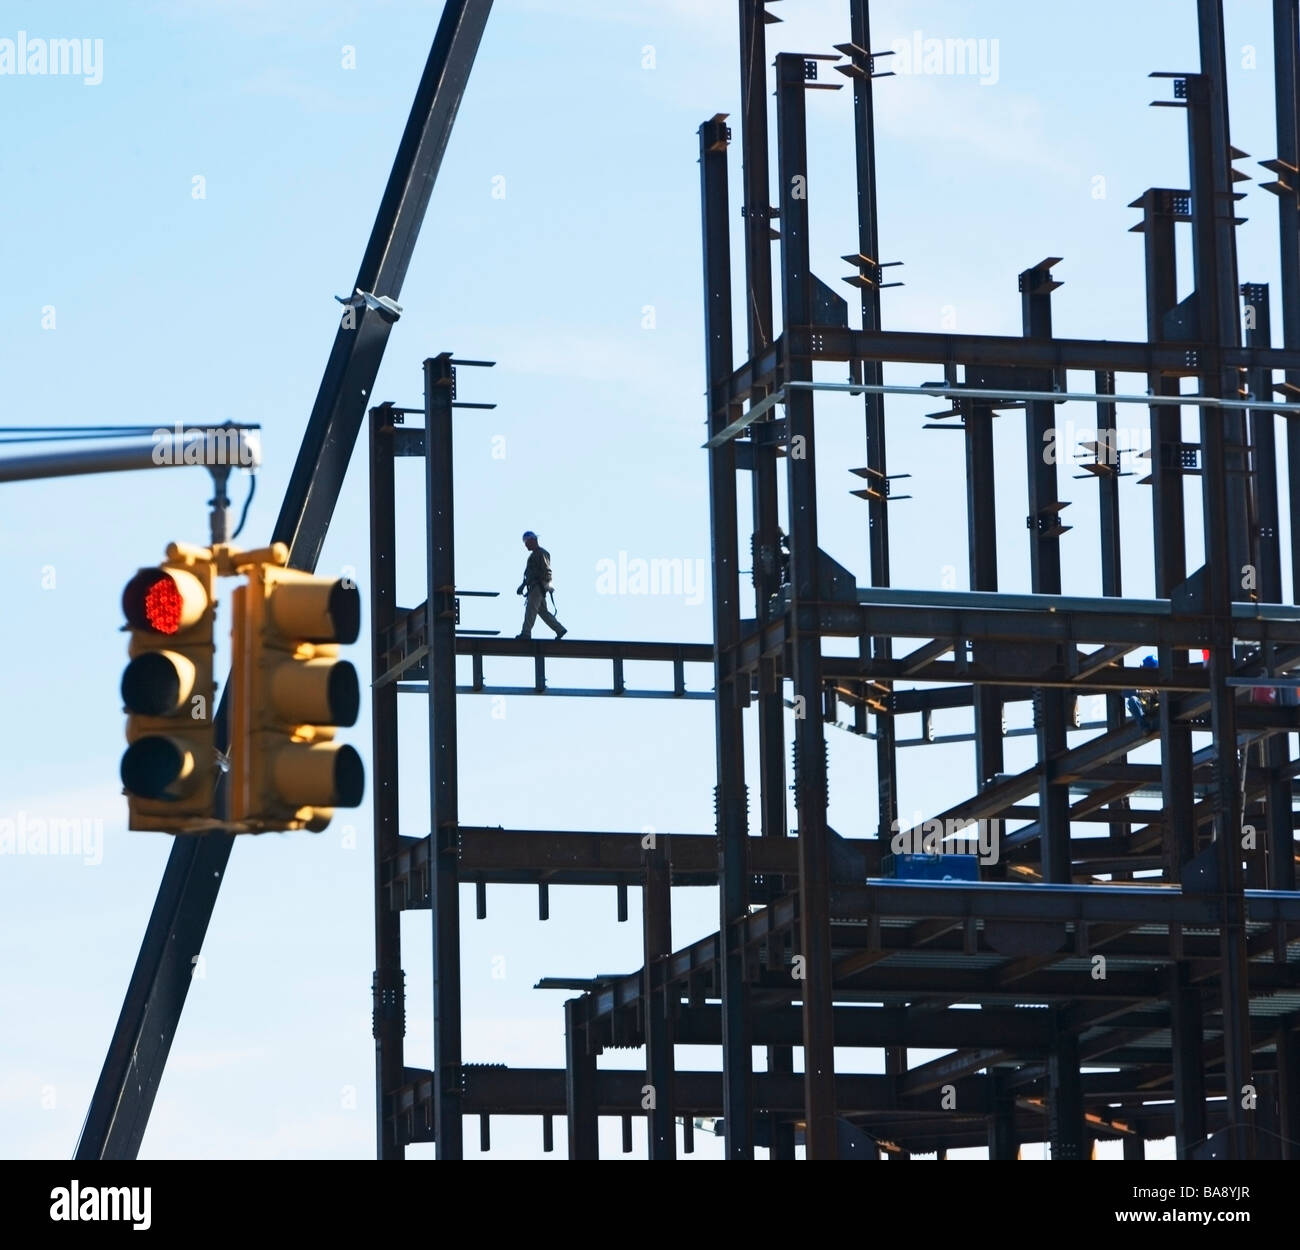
(389, 989)
(443, 777)
(1227, 548)
(732, 808)
(864, 146)
(810, 745)
(758, 215)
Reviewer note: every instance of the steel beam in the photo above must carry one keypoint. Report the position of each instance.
(444, 872)
(1036, 286)
(1188, 1046)
(1286, 88)
(810, 780)
(388, 1022)
(730, 798)
(1286, 60)
(359, 344)
(1227, 547)
(981, 528)
(876, 457)
(1185, 359)
(767, 559)
(864, 147)
(1002, 1143)
(657, 942)
(1278, 843)
(1288, 1071)
(580, 1082)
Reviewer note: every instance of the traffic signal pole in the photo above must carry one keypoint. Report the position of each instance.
(119, 1109)
(217, 448)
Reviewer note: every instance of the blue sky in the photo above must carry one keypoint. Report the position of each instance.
(583, 282)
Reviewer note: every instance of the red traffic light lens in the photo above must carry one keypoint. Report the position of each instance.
(162, 606)
(165, 601)
(152, 600)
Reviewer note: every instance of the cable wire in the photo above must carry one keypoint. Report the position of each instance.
(243, 516)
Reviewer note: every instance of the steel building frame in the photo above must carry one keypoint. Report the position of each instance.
(1166, 950)
(1194, 1015)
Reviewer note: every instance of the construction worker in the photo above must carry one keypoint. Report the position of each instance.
(1144, 704)
(536, 585)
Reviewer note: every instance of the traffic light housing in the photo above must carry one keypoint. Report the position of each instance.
(289, 692)
(168, 770)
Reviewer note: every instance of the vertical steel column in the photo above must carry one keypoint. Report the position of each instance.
(388, 1021)
(1112, 568)
(1227, 546)
(1134, 1148)
(657, 933)
(864, 137)
(1259, 333)
(1002, 1120)
(810, 741)
(1108, 490)
(1214, 258)
(1036, 286)
(580, 1086)
(758, 213)
(1288, 1088)
(896, 1067)
(1160, 211)
(1065, 1086)
(754, 154)
(731, 799)
(1286, 88)
(1280, 840)
(1267, 1145)
(1065, 1097)
(1286, 61)
(982, 530)
(1188, 1045)
(444, 885)
(864, 146)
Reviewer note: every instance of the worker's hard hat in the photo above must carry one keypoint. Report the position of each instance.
(1150, 661)
(529, 534)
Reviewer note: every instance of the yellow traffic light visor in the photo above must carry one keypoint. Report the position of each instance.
(164, 601)
(317, 610)
(322, 774)
(316, 692)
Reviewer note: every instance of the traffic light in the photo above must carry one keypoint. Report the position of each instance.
(168, 770)
(289, 691)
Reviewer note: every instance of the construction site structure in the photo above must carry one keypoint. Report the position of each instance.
(1120, 969)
